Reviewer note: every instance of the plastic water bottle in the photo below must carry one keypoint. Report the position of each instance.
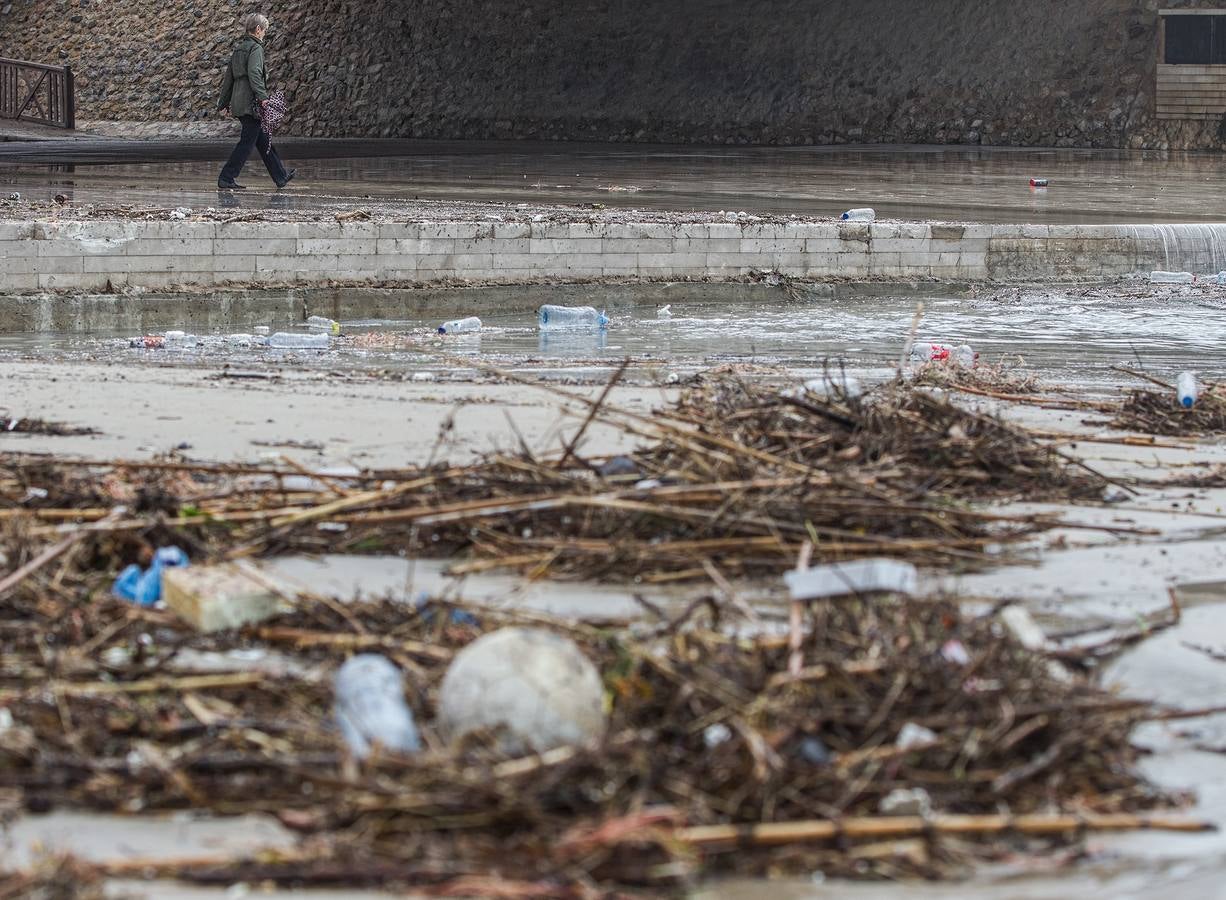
(1221, 279)
(370, 707)
(285, 341)
(323, 323)
(1186, 390)
(460, 326)
(553, 317)
(1171, 278)
(963, 355)
(179, 340)
(839, 384)
(860, 215)
(1039, 182)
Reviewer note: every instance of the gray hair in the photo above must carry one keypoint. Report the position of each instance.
(255, 22)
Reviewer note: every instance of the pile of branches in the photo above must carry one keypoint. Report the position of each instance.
(1159, 412)
(713, 746)
(735, 477)
(1008, 377)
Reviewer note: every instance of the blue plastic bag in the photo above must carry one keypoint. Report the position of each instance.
(144, 586)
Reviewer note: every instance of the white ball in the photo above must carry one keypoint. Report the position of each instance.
(536, 684)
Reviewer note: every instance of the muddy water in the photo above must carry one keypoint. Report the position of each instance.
(1069, 335)
(980, 184)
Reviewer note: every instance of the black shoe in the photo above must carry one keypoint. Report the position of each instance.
(224, 184)
(288, 178)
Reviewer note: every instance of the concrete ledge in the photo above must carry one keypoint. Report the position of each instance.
(233, 309)
(90, 255)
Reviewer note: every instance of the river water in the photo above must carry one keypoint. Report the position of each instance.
(1064, 334)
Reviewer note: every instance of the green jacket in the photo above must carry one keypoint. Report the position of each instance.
(245, 78)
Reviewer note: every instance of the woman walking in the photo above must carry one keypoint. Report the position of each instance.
(244, 91)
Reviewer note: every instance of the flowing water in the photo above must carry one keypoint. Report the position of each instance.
(1187, 247)
(1067, 334)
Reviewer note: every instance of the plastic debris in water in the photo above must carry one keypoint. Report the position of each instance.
(954, 651)
(550, 317)
(144, 586)
(714, 735)
(963, 355)
(862, 576)
(1187, 390)
(813, 751)
(460, 326)
(619, 465)
(912, 735)
(370, 707)
(1171, 277)
(323, 323)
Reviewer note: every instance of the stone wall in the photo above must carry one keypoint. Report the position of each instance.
(1040, 72)
(100, 255)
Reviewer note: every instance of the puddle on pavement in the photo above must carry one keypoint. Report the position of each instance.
(1070, 336)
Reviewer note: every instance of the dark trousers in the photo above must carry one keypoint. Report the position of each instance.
(253, 136)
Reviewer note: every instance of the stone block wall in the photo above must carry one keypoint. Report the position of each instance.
(157, 255)
(1038, 73)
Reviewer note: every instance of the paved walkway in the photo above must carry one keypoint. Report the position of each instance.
(14, 130)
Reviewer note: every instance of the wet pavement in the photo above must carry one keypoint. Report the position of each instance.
(914, 183)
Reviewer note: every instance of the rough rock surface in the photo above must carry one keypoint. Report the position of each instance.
(1039, 73)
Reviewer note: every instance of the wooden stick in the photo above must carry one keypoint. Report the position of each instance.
(910, 342)
(822, 672)
(354, 500)
(1131, 440)
(145, 685)
(861, 828)
(591, 414)
(164, 867)
(304, 638)
(1173, 715)
(19, 575)
(1151, 379)
(796, 659)
(201, 521)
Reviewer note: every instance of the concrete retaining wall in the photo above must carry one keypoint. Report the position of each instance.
(156, 255)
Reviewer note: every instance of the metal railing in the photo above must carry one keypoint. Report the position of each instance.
(33, 92)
